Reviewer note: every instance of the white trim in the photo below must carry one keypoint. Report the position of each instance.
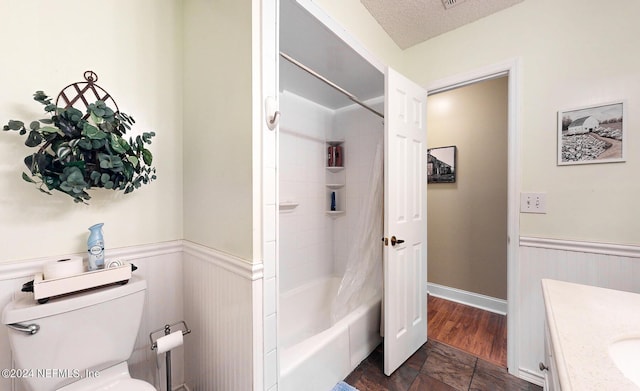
(471, 299)
(531, 377)
(225, 261)
(27, 268)
(475, 76)
(511, 69)
(621, 250)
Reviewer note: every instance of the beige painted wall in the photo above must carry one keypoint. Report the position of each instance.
(467, 220)
(218, 187)
(135, 47)
(596, 202)
(590, 202)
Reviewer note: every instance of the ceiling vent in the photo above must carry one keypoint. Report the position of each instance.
(451, 3)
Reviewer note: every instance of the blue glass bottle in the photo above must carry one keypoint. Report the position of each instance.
(95, 247)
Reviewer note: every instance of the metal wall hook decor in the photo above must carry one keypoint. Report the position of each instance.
(80, 92)
(272, 113)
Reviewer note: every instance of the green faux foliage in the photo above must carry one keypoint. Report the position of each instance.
(77, 152)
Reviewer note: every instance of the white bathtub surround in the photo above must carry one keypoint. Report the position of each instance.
(317, 349)
(315, 353)
(305, 235)
(161, 266)
(583, 323)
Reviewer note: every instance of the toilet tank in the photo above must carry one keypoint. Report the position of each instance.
(79, 334)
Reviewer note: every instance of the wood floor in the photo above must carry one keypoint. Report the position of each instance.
(480, 333)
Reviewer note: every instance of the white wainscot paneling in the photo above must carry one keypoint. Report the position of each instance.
(159, 264)
(597, 264)
(218, 307)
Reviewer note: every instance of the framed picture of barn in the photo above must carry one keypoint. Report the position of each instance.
(591, 134)
(441, 164)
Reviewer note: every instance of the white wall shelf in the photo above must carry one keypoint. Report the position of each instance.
(287, 206)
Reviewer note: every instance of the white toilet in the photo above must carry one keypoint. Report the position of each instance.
(83, 340)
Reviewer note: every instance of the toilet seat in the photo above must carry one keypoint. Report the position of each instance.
(120, 385)
(116, 378)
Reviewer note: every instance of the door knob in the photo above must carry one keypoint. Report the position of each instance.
(395, 241)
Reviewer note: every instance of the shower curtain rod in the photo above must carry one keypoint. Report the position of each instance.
(310, 71)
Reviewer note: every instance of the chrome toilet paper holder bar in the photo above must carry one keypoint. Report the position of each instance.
(167, 331)
(167, 354)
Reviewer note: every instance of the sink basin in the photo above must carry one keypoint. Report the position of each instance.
(626, 355)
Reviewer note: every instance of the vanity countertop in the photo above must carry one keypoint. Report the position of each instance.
(583, 321)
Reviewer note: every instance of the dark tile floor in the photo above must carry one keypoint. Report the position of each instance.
(436, 367)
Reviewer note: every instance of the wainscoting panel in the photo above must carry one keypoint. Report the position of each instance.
(159, 264)
(597, 264)
(219, 310)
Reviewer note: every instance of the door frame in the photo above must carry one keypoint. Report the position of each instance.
(508, 68)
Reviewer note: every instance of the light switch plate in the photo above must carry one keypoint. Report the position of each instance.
(533, 202)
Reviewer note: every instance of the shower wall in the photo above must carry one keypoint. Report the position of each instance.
(305, 231)
(312, 244)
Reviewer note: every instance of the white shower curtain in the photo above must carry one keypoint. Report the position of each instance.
(362, 279)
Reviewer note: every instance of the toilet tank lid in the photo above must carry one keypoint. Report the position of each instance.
(24, 308)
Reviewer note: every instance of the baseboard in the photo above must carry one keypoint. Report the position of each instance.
(534, 378)
(477, 300)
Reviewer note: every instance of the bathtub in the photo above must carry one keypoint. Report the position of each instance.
(314, 353)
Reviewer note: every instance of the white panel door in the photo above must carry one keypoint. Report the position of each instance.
(405, 220)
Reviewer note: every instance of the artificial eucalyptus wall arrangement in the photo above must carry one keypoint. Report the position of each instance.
(78, 151)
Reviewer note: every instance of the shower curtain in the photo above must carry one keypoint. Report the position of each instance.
(362, 279)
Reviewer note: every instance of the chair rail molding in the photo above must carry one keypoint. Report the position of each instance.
(621, 250)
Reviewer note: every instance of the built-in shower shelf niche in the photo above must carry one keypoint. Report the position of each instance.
(335, 178)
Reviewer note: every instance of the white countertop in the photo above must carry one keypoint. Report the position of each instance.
(583, 321)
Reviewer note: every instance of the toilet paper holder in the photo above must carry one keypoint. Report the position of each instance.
(167, 354)
(167, 331)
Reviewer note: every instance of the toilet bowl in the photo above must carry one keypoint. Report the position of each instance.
(82, 341)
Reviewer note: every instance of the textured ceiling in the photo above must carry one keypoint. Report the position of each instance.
(409, 22)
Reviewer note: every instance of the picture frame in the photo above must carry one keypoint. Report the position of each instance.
(441, 164)
(592, 134)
